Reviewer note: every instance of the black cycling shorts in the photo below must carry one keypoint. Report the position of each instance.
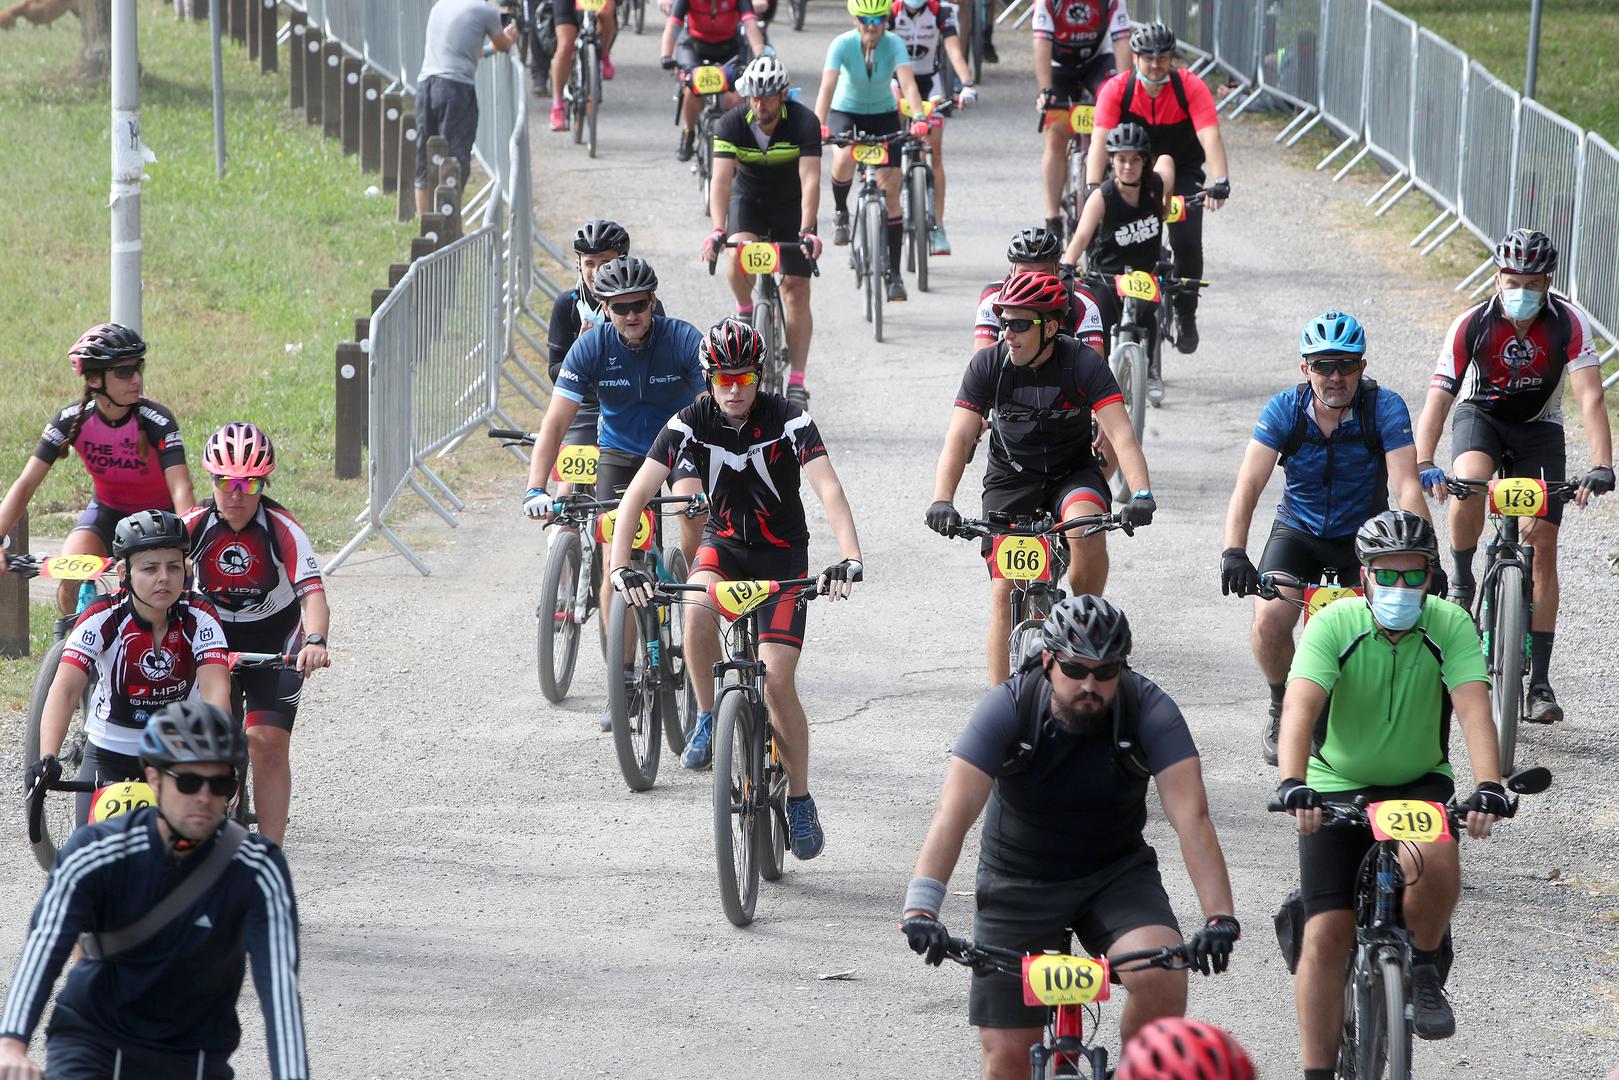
(72, 1055)
(1080, 83)
(883, 123)
(267, 696)
(1536, 447)
(1330, 858)
(732, 53)
(1029, 492)
(101, 767)
(781, 622)
(564, 12)
(103, 521)
(1029, 915)
(1306, 557)
(778, 223)
(582, 431)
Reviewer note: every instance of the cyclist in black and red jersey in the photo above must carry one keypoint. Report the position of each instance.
(256, 564)
(1505, 359)
(141, 667)
(1036, 251)
(1078, 45)
(709, 32)
(750, 450)
(130, 446)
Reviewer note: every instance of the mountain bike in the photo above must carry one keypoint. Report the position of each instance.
(916, 192)
(762, 259)
(868, 243)
(711, 83)
(1312, 597)
(1506, 592)
(1070, 986)
(1029, 551)
(750, 781)
(583, 94)
(1379, 1019)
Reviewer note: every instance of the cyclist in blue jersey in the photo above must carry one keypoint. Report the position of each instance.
(855, 95)
(1342, 441)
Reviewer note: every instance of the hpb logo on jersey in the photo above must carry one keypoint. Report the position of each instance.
(157, 664)
(234, 560)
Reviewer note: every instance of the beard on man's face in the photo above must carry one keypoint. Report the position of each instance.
(1086, 715)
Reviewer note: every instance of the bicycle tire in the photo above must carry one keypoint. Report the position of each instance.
(557, 649)
(678, 709)
(576, 90)
(764, 319)
(60, 816)
(921, 188)
(1370, 1012)
(1397, 1024)
(636, 742)
(1027, 635)
(735, 775)
(771, 835)
(877, 252)
(1509, 631)
(595, 102)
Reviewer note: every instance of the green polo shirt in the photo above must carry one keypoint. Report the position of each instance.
(1385, 723)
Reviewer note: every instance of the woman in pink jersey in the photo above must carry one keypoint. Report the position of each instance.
(130, 446)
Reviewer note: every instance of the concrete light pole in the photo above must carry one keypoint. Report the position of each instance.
(129, 157)
(1534, 49)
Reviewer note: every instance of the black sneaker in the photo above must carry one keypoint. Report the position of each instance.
(1273, 732)
(1543, 707)
(1186, 331)
(840, 229)
(688, 146)
(990, 55)
(896, 288)
(1434, 1020)
(1462, 595)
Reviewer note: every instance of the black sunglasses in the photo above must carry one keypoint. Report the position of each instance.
(1336, 367)
(127, 372)
(1103, 672)
(634, 307)
(1020, 326)
(190, 783)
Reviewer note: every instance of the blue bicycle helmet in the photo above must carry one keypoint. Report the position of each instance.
(1333, 332)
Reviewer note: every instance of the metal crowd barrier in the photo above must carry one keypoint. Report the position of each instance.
(1391, 54)
(1343, 74)
(1289, 61)
(1438, 113)
(1489, 148)
(1236, 47)
(1545, 172)
(1596, 255)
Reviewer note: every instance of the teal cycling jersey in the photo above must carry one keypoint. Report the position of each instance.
(639, 389)
(863, 85)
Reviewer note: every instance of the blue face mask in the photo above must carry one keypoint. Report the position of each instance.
(1521, 304)
(1150, 81)
(1396, 608)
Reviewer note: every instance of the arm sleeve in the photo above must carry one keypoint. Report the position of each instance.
(679, 11)
(272, 945)
(725, 133)
(809, 134)
(297, 554)
(1098, 383)
(1276, 421)
(976, 382)
(834, 54)
(1200, 103)
(1453, 358)
(163, 432)
(1044, 26)
(1393, 420)
(692, 343)
(563, 332)
(53, 440)
(1119, 26)
(671, 440)
(807, 441)
(1108, 100)
(1165, 736)
(62, 913)
(1582, 351)
(208, 639)
(578, 369)
(987, 331)
(948, 24)
(491, 21)
(895, 52)
(83, 646)
(991, 730)
(1316, 657)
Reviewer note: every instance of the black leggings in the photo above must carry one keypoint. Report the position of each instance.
(1186, 237)
(103, 767)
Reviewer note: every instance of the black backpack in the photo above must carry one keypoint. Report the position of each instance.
(1126, 723)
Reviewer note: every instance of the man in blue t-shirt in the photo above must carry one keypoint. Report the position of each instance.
(1338, 475)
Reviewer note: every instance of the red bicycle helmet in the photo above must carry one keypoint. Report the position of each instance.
(731, 345)
(104, 346)
(1035, 291)
(239, 449)
(1175, 1048)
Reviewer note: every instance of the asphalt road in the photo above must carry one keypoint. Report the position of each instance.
(482, 897)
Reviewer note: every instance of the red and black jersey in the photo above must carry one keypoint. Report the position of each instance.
(255, 577)
(141, 668)
(1515, 380)
(713, 21)
(1040, 417)
(1080, 29)
(751, 472)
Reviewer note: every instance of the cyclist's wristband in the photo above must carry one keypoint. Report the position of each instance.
(924, 894)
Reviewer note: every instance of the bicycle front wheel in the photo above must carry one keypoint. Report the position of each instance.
(1508, 631)
(60, 815)
(578, 84)
(771, 832)
(1130, 369)
(875, 225)
(919, 187)
(736, 782)
(678, 708)
(764, 321)
(630, 696)
(558, 634)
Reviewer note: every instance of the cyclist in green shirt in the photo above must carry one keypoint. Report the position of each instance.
(1367, 712)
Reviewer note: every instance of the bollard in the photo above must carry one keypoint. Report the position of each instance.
(269, 50)
(392, 112)
(377, 297)
(250, 22)
(314, 45)
(438, 152)
(420, 246)
(238, 21)
(407, 167)
(349, 118)
(447, 198)
(371, 85)
(396, 273)
(14, 596)
(362, 328)
(353, 375)
(296, 29)
(331, 89)
(199, 10)
(437, 228)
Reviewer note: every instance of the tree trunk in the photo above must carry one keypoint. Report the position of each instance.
(95, 39)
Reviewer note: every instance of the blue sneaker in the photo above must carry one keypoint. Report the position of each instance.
(699, 753)
(804, 828)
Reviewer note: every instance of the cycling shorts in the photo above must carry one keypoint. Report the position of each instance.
(1077, 83)
(582, 431)
(566, 13)
(1536, 447)
(73, 1055)
(781, 622)
(267, 696)
(1029, 915)
(1330, 858)
(1306, 557)
(693, 52)
(101, 520)
(884, 123)
(778, 223)
(1028, 492)
(101, 767)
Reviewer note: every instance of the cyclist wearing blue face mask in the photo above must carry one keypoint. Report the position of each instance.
(1505, 359)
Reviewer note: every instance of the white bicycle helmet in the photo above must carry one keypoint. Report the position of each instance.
(765, 76)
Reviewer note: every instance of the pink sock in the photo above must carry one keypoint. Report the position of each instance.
(795, 379)
(744, 312)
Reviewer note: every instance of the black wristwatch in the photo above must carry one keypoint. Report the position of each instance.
(315, 639)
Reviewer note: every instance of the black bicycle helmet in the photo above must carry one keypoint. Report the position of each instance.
(731, 345)
(1087, 628)
(1152, 39)
(1129, 137)
(192, 733)
(622, 276)
(1526, 251)
(105, 345)
(1035, 244)
(148, 530)
(1395, 532)
(595, 237)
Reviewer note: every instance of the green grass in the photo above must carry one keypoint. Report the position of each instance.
(1577, 75)
(249, 282)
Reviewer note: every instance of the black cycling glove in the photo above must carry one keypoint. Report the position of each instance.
(1438, 581)
(1210, 948)
(927, 937)
(633, 585)
(1599, 481)
(46, 768)
(1295, 794)
(1220, 189)
(942, 517)
(1489, 798)
(1237, 573)
(1139, 511)
(836, 579)
(666, 62)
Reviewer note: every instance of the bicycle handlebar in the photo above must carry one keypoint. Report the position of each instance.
(815, 264)
(1463, 488)
(571, 508)
(970, 954)
(256, 661)
(1038, 525)
(515, 438)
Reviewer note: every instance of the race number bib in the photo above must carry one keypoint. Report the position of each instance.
(1082, 119)
(1064, 980)
(576, 465)
(737, 598)
(591, 5)
(74, 567)
(1409, 819)
(709, 79)
(643, 530)
(1177, 209)
(121, 798)
(871, 153)
(1317, 597)
(1020, 558)
(1518, 496)
(1137, 285)
(759, 257)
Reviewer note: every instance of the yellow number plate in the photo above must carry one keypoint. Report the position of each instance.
(1177, 209)
(591, 5)
(871, 153)
(74, 567)
(1518, 496)
(1082, 119)
(1138, 285)
(737, 598)
(576, 465)
(1020, 558)
(759, 257)
(1319, 596)
(643, 531)
(1409, 819)
(1064, 980)
(708, 80)
(121, 798)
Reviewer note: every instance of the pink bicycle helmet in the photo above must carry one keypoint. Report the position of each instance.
(1174, 1048)
(239, 449)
